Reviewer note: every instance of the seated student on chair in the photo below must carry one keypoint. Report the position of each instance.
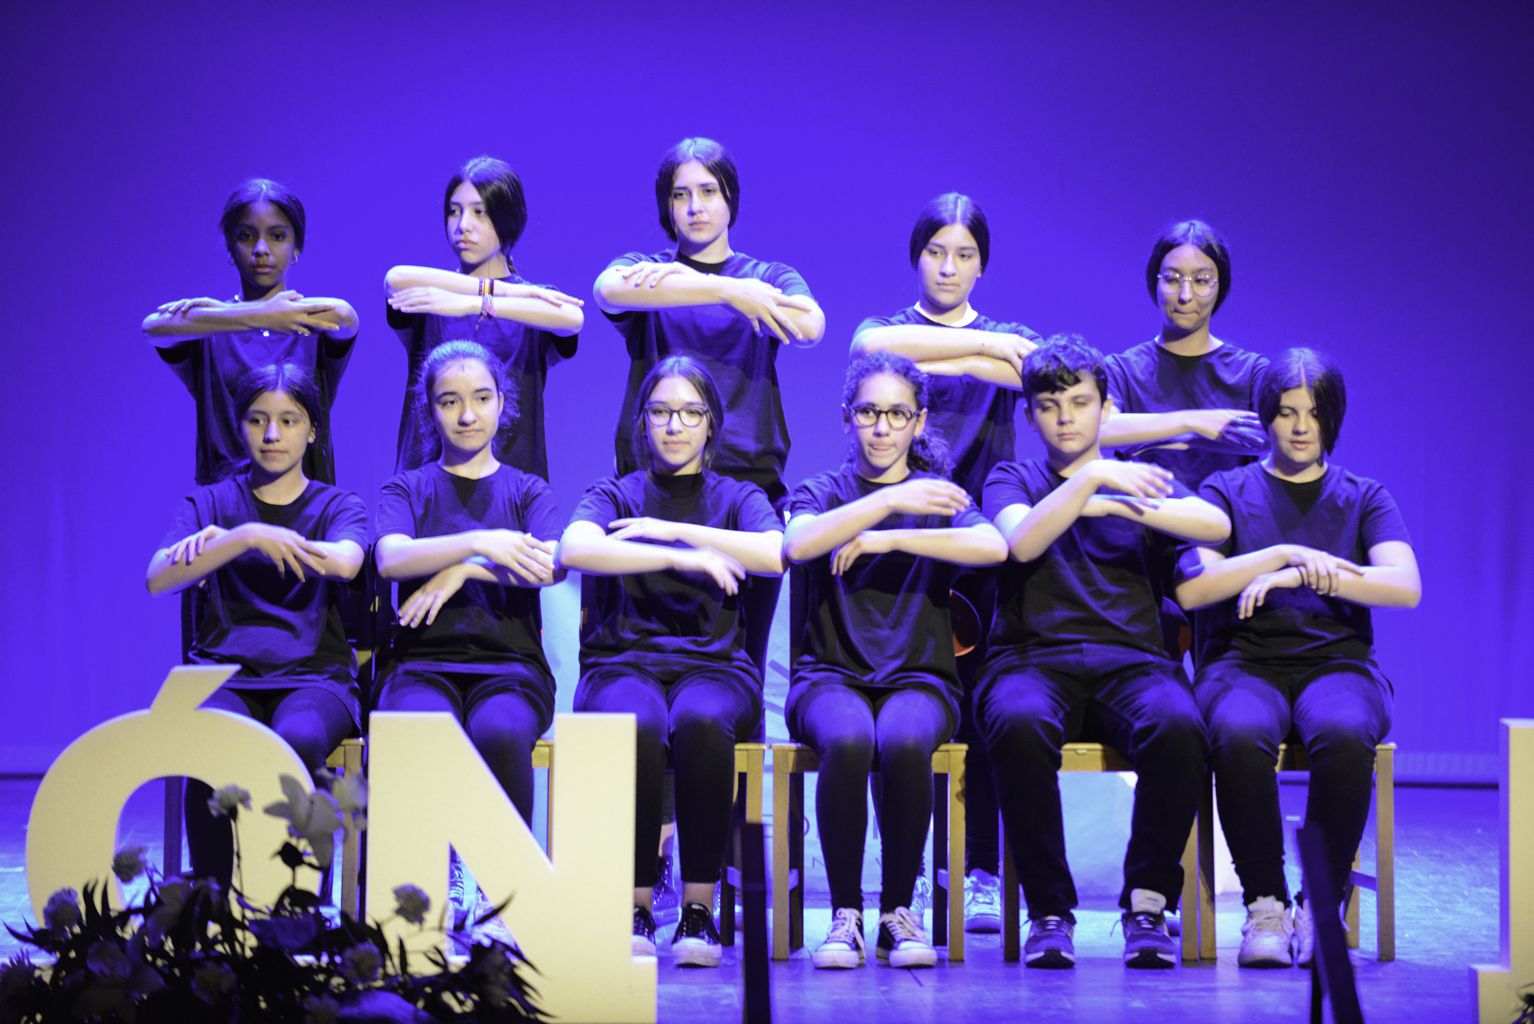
(274, 552)
(471, 540)
(1286, 644)
(876, 545)
(671, 545)
(1077, 638)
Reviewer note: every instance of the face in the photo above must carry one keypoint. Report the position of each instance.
(881, 444)
(678, 447)
(467, 407)
(277, 432)
(262, 247)
(1182, 308)
(1295, 431)
(947, 269)
(1068, 421)
(699, 212)
(469, 230)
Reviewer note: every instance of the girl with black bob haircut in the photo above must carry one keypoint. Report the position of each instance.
(1185, 399)
(1286, 642)
(527, 327)
(470, 541)
(273, 551)
(874, 546)
(211, 344)
(667, 548)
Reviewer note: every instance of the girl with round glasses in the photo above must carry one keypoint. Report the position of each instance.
(272, 551)
(667, 549)
(211, 344)
(527, 327)
(875, 546)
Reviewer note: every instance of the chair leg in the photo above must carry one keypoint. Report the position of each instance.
(731, 866)
(1385, 850)
(1011, 904)
(797, 883)
(781, 813)
(957, 837)
(1205, 919)
(941, 872)
(1190, 897)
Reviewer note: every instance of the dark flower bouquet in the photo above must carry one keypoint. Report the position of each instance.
(189, 953)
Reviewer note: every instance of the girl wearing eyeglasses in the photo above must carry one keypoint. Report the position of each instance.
(668, 548)
(875, 546)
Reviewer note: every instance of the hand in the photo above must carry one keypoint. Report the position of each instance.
(524, 555)
(926, 496)
(1099, 505)
(644, 528)
(765, 306)
(1321, 571)
(1136, 479)
(287, 550)
(725, 571)
(552, 296)
(1010, 348)
(440, 301)
(1211, 424)
(427, 601)
(289, 313)
(1250, 599)
(869, 542)
(181, 308)
(190, 547)
(648, 275)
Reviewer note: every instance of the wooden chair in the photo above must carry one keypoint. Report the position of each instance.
(790, 762)
(1292, 757)
(1098, 757)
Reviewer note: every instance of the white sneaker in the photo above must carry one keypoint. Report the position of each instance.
(1304, 934)
(1267, 935)
(843, 946)
(921, 898)
(903, 941)
(982, 903)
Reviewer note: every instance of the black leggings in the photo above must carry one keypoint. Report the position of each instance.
(311, 720)
(847, 725)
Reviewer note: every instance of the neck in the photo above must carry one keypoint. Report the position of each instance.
(1068, 465)
(896, 472)
(283, 489)
(495, 267)
(963, 313)
(716, 251)
(691, 468)
(1196, 342)
(470, 465)
(1276, 465)
(250, 293)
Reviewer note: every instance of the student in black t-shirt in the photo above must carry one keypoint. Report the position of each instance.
(471, 541)
(273, 551)
(875, 546)
(728, 311)
(1077, 639)
(1286, 642)
(527, 327)
(974, 363)
(1186, 399)
(211, 345)
(668, 548)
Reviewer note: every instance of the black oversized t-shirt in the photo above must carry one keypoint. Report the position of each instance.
(280, 631)
(669, 613)
(976, 418)
(1340, 513)
(885, 621)
(528, 353)
(212, 368)
(754, 443)
(1147, 378)
(1100, 582)
(484, 625)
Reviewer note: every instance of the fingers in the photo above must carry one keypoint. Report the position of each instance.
(781, 318)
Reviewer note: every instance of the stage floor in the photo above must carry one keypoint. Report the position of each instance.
(1446, 920)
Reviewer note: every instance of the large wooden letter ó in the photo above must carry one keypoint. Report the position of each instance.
(572, 916)
(72, 831)
(1494, 988)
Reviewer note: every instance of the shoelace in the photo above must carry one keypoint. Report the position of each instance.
(846, 927)
(1266, 921)
(1050, 924)
(1144, 920)
(902, 925)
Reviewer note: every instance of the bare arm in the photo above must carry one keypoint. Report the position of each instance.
(760, 553)
(795, 319)
(589, 548)
(526, 560)
(1190, 519)
(1390, 580)
(810, 535)
(961, 545)
(922, 343)
(1030, 530)
(198, 556)
(286, 312)
(1222, 428)
(982, 368)
(447, 293)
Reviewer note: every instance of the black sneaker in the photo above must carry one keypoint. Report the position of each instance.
(1146, 942)
(1051, 943)
(643, 943)
(665, 900)
(696, 942)
(903, 941)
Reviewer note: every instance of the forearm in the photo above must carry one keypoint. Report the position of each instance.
(1043, 524)
(969, 545)
(811, 536)
(165, 576)
(684, 288)
(162, 329)
(565, 319)
(921, 342)
(760, 553)
(1190, 519)
(407, 558)
(1138, 427)
(605, 556)
(982, 368)
(1223, 579)
(1382, 586)
(343, 559)
(405, 276)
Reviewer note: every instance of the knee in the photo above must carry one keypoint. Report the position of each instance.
(1016, 737)
(698, 729)
(847, 751)
(1347, 741)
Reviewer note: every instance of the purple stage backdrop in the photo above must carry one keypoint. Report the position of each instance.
(1371, 170)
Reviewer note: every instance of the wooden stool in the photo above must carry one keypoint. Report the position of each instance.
(1292, 757)
(1098, 757)
(790, 762)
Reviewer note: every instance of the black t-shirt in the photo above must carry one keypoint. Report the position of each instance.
(977, 419)
(885, 621)
(1339, 513)
(528, 353)
(754, 443)
(1148, 378)
(212, 368)
(669, 613)
(1100, 582)
(484, 625)
(277, 629)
